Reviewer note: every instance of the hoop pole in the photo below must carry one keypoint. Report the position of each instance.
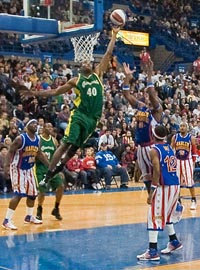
(98, 14)
(49, 11)
(71, 11)
(26, 5)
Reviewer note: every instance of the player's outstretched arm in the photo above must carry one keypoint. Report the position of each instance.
(52, 92)
(153, 97)
(18, 86)
(126, 86)
(103, 65)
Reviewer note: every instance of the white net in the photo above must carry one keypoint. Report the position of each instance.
(84, 46)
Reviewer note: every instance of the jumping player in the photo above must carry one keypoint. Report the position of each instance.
(163, 196)
(20, 161)
(88, 107)
(48, 145)
(184, 145)
(146, 119)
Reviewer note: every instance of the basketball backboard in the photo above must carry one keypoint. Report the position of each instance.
(78, 17)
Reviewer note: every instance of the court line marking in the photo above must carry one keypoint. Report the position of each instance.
(5, 268)
(54, 230)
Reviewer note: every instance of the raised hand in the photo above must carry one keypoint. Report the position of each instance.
(149, 67)
(27, 93)
(116, 29)
(127, 70)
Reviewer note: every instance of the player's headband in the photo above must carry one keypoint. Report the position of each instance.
(157, 136)
(30, 122)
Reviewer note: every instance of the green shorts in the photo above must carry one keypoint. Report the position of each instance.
(79, 129)
(54, 183)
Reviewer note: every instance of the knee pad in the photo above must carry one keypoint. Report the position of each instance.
(32, 198)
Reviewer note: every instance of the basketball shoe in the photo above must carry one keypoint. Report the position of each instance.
(32, 219)
(8, 225)
(99, 186)
(193, 205)
(172, 246)
(94, 186)
(150, 255)
(56, 213)
(39, 212)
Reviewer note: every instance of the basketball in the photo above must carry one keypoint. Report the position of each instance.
(118, 17)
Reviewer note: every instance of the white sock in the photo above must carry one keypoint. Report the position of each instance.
(29, 211)
(153, 236)
(9, 213)
(170, 229)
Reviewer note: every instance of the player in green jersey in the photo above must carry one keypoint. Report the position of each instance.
(88, 107)
(48, 145)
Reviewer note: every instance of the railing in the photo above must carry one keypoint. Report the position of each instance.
(167, 62)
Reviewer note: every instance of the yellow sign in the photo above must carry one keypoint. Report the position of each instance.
(134, 38)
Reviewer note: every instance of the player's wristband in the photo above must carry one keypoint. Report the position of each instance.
(126, 87)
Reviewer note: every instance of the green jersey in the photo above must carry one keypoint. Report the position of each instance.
(48, 147)
(89, 91)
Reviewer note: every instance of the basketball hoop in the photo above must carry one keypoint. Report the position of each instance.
(84, 47)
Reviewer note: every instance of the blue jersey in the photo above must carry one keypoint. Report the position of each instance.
(168, 162)
(105, 158)
(145, 122)
(183, 146)
(24, 157)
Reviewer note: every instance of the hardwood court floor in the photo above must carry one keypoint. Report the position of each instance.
(99, 231)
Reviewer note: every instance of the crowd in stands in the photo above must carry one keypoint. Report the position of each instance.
(179, 93)
(176, 20)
